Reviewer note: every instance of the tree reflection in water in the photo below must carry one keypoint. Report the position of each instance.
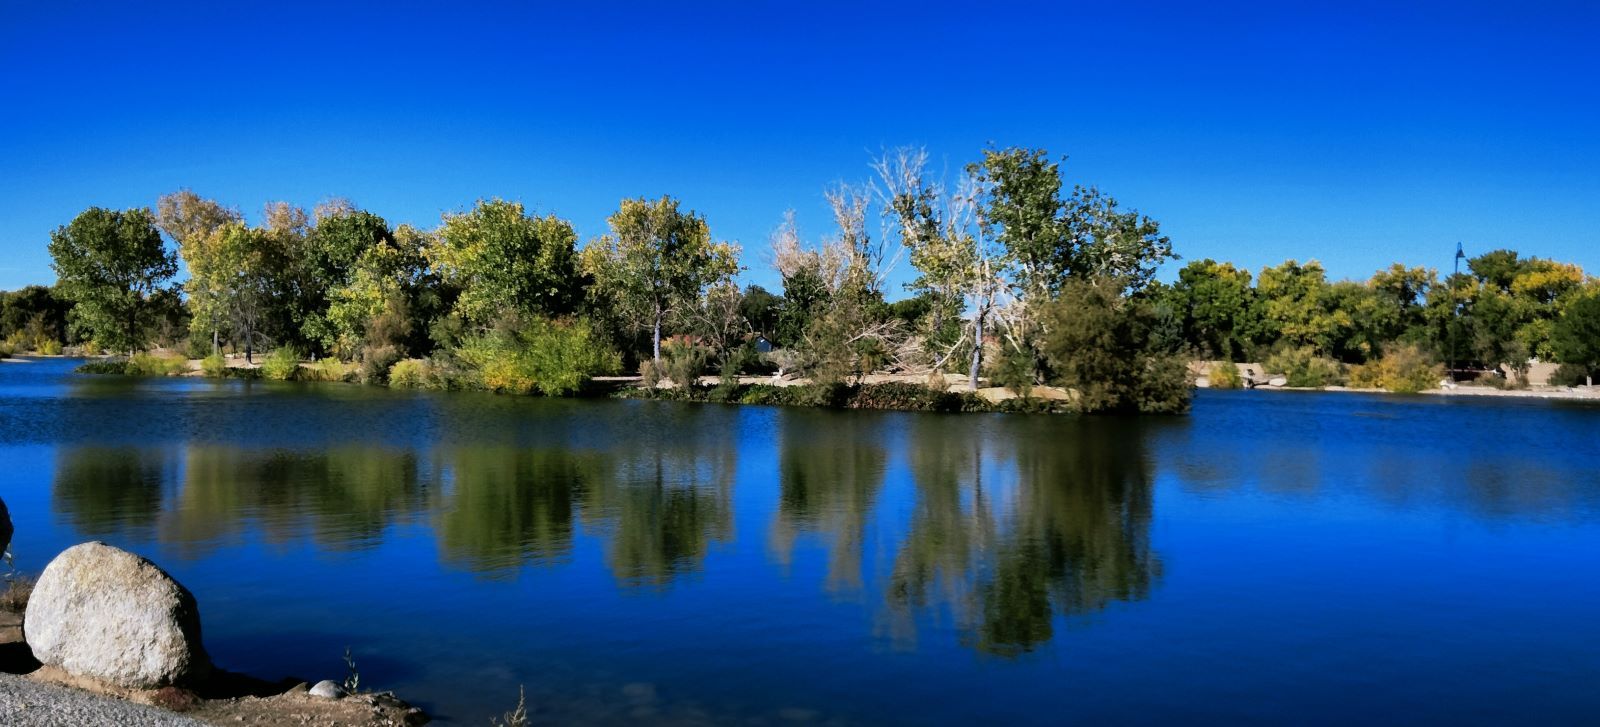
(105, 491)
(830, 470)
(1013, 521)
(1022, 523)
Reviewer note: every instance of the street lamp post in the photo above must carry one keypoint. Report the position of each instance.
(1455, 313)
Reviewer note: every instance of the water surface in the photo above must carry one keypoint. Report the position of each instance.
(1275, 557)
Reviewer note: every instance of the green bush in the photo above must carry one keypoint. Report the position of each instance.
(214, 366)
(49, 347)
(418, 373)
(115, 367)
(649, 374)
(1225, 376)
(1404, 369)
(1303, 367)
(1570, 375)
(376, 362)
(7, 349)
(145, 364)
(282, 365)
(555, 358)
(683, 360)
(1013, 369)
(1102, 345)
(329, 368)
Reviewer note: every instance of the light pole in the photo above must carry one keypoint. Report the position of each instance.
(1455, 312)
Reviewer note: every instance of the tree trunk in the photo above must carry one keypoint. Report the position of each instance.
(977, 351)
(655, 336)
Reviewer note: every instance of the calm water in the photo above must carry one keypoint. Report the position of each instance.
(1316, 558)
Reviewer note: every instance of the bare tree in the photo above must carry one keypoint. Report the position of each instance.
(948, 241)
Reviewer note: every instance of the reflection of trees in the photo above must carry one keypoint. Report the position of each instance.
(341, 498)
(665, 507)
(830, 468)
(654, 482)
(510, 506)
(1072, 537)
(106, 491)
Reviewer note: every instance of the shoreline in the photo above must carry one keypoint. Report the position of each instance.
(955, 397)
(1552, 393)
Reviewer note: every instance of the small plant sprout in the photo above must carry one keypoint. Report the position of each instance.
(517, 717)
(352, 681)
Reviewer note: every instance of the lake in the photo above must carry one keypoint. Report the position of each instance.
(1274, 557)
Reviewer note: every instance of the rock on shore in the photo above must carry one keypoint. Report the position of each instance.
(107, 614)
(5, 527)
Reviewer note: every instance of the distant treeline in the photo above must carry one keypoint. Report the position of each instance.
(1018, 280)
(1502, 309)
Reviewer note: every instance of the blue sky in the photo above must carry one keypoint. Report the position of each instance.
(1354, 133)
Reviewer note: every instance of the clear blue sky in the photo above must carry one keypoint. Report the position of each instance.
(1354, 133)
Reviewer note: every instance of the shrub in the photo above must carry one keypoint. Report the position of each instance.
(1303, 367)
(49, 347)
(1013, 369)
(115, 367)
(214, 366)
(649, 373)
(683, 360)
(282, 365)
(145, 364)
(91, 348)
(326, 369)
(1404, 369)
(7, 349)
(1571, 375)
(376, 362)
(555, 358)
(418, 373)
(199, 346)
(1225, 376)
(1101, 344)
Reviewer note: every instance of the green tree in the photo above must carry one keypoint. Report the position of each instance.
(329, 263)
(33, 309)
(189, 221)
(761, 310)
(1576, 335)
(1292, 303)
(657, 259)
(1100, 344)
(238, 275)
(109, 264)
(1049, 238)
(503, 259)
(1221, 316)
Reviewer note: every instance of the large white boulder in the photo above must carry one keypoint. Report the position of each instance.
(107, 614)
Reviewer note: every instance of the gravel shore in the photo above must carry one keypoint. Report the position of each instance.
(25, 702)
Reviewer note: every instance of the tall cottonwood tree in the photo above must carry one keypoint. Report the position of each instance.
(237, 274)
(949, 241)
(657, 259)
(1048, 239)
(190, 220)
(110, 264)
